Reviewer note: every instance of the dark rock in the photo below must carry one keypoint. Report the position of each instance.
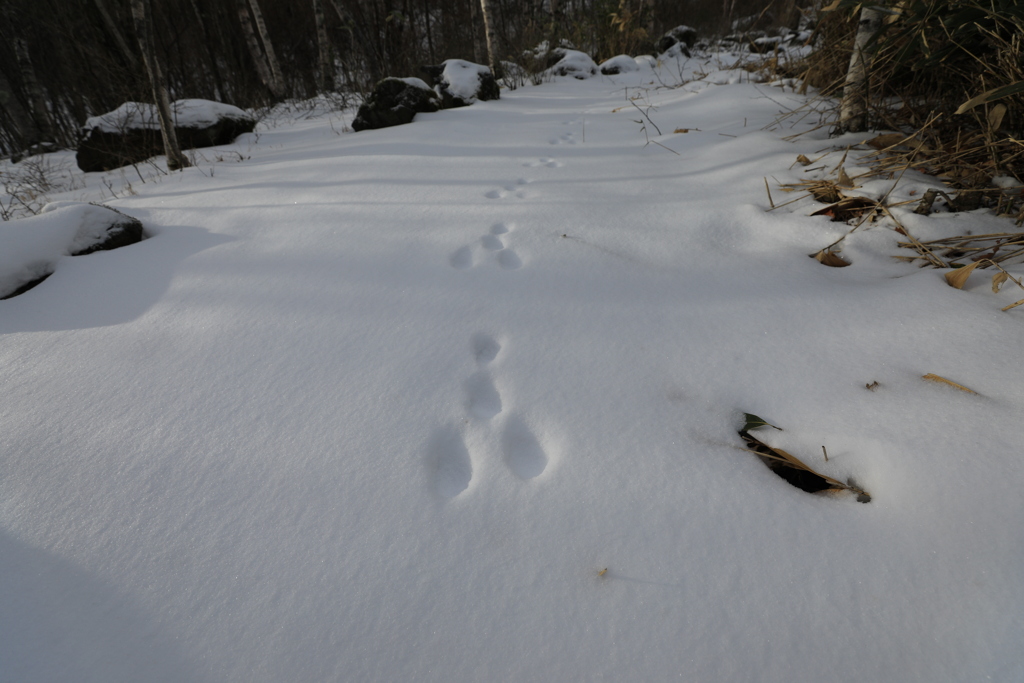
(120, 232)
(680, 34)
(61, 229)
(25, 287)
(460, 83)
(129, 135)
(395, 101)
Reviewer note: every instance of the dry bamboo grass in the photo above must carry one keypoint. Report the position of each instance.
(797, 472)
(937, 379)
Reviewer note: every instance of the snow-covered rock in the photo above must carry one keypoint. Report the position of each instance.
(619, 64)
(460, 83)
(574, 63)
(395, 101)
(684, 35)
(30, 247)
(131, 133)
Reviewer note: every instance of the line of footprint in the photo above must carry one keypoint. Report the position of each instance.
(521, 451)
(491, 242)
(512, 188)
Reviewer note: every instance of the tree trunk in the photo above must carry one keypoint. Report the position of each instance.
(479, 48)
(218, 84)
(38, 109)
(854, 108)
(143, 31)
(358, 33)
(430, 33)
(326, 73)
(27, 134)
(115, 33)
(263, 67)
(489, 11)
(277, 86)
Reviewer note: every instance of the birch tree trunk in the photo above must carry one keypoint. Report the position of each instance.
(479, 47)
(853, 115)
(490, 13)
(325, 81)
(143, 31)
(264, 65)
(277, 86)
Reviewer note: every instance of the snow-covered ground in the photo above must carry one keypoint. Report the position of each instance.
(385, 406)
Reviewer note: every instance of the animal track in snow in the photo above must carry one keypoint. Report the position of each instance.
(564, 139)
(449, 458)
(485, 348)
(463, 257)
(523, 453)
(484, 401)
(510, 189)
(509, 260)
(546, 161)
(520, 449)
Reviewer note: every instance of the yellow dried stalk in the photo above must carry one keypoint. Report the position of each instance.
(942, 380)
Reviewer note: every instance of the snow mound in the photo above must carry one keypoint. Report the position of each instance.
(415, 82)
(186, 113)
(576, 64)
(463, 78)
(30, 247)
(619, 64)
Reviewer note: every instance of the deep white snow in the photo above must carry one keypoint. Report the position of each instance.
(385, 406)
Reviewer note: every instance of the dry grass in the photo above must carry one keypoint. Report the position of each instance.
(797, 472)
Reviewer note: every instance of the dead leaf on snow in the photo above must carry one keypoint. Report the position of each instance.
(830, 259)
(887, 140)
(958, 278)
(997, 281)
(843, 180)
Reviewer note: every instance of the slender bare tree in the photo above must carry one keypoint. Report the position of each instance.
(853, 112)
(264, 57)
(479, 46)
(112, 29)
(142, 15)
(326, 72)
(490, 12)
(38, 109)
(268, 48)
(26, 133)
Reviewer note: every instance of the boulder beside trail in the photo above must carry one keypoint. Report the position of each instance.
(619, 64)
(131, 133)
(684, 35)
(395, 101)
(460, 83)
(573, 63)
(30, 248)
